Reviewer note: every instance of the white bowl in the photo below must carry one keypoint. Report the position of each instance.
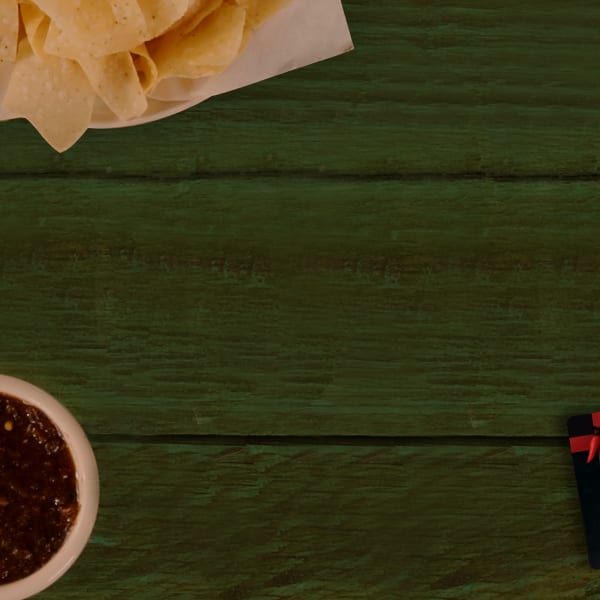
(87, 489)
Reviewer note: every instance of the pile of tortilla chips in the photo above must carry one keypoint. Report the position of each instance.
(68, 53)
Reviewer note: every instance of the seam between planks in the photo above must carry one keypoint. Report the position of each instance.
(329, 440)
(310, 176)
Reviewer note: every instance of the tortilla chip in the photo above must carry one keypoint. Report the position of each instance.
(146, 68)
(53, 94)
(9, 30)
(98, 27)
(206, 50)
(58, 44)
(115, 79)
(162, 14)
(36, 25)
(197, 11)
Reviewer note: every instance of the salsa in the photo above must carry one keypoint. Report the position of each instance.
(38, 489)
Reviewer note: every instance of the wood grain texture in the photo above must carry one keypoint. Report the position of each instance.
(195, 522)
(307, 309)
(494, 87)
(400, 242)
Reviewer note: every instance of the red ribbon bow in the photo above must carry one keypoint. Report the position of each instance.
(589, 443)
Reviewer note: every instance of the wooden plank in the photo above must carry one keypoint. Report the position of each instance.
(487, 87)
(257, 522)
(293, 307)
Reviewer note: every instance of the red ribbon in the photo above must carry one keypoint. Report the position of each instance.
(588, 443)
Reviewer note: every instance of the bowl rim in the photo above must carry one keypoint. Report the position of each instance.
(88, 489)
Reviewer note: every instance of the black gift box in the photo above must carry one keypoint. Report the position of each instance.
(584, 439)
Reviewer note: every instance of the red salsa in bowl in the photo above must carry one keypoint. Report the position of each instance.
(38, 489)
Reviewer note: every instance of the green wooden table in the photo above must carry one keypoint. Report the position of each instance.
(324, 332)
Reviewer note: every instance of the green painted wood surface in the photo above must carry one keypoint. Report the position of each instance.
(334, 522)
(401, 243)
(325, 308)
